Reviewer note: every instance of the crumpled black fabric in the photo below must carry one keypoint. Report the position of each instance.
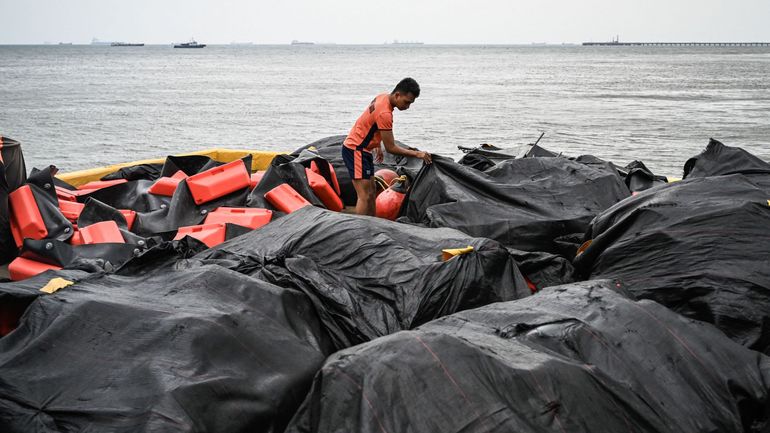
(575, 358)
(639, 178)
(695, 246)
(13, 162)
(181, 349)
(136, 172)
(524, 203)
(485, 156)
(545, 269)
(718, 159)
(368, 277)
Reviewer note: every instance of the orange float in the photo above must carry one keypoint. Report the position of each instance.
(210, 234)
(247, 217)
(324, 191)
(286, 199)
(26, 220)
(218, 181)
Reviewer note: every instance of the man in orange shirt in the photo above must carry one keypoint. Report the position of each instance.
(373, 127)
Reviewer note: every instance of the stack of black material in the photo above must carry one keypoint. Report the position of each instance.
(325, 322)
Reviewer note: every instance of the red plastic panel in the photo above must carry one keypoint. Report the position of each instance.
(26, 220)
(101, 233)
(285, 198)
(210, 234)
(256, 177)
(323, 190)
(129, 215)
(71, 209)
(167, 185)
(65, 194)
(77, 238)
(335, 183)
(218, 181)
(248, 217)
(21, 268)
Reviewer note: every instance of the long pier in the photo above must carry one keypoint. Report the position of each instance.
(676, 44)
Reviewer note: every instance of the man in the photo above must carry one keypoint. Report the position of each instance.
(373, 127)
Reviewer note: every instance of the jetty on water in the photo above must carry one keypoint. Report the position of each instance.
(677, 44)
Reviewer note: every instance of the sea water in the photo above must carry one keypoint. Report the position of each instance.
(83, 106)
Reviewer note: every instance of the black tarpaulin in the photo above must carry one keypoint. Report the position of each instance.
(13, 174)
(369, 277)
(575, 358)
(183, 350)
(639, 178)
(718, 159)
(523, 203)
(695, 246)
(12, 159)
(486, 156)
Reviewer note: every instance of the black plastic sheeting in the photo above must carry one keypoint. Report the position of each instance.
(330, 149)
(188, 349)
(523, 203)
(13, 174)
(576, 358)
(486, 156)
(229, 339)
(636, 175)
(369, 277)
(696, 246)
(639, 178)
(718, 159)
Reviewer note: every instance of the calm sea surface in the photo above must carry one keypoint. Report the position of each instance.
(83, 106)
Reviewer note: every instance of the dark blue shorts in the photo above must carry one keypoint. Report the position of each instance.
(360, 163)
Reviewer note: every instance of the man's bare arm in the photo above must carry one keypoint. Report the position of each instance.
(391, 147)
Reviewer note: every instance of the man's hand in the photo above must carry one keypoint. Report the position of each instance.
(425, 156)
(379, 156)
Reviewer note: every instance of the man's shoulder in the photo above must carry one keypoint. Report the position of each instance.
(382, 102)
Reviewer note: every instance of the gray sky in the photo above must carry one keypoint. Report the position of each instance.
(356, 21)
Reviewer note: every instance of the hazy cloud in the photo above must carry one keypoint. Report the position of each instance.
(349, 21)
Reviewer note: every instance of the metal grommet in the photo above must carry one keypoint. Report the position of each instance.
(47, 186)
(140, 243)
(137, 251)
(204, 211)
(49, 245)
(163, 206)
(66, 229)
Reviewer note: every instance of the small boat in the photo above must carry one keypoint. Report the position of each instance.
(125, 44)
(191, 44)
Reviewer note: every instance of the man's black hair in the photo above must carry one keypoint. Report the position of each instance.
(408, 85)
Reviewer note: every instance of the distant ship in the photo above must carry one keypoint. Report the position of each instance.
(191, 44)
(296, 42)
(95, 41)
(125, 44)
(397, 42)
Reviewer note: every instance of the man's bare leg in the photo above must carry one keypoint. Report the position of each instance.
(365, 205)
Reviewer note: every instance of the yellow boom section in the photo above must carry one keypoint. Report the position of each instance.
(260, 160)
